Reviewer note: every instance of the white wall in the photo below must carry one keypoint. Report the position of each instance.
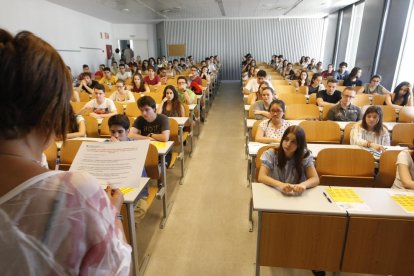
(138, 32)
(68, 30)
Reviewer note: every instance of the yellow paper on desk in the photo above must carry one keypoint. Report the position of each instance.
(344, 195)
(159, 145)
(406, 202)
(124, 191)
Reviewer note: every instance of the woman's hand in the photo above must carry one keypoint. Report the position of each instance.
(377, 147)
(298, 189)
(115, 197)
(286, 189)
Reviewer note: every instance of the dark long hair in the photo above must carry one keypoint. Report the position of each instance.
(141, 87)
(73, 125)
(35, 87)
(176, 104)
(300, 153)
(397, 93)
(353, 74)
(378, 128)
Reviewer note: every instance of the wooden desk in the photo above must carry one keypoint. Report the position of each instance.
(181, 121)
(304, 232)
(379, 241)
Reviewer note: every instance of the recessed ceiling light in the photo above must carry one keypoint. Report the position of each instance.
(125, 10)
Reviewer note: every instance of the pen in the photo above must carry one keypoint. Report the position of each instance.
(330, 201)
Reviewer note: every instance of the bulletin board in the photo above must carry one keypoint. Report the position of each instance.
(176, 50)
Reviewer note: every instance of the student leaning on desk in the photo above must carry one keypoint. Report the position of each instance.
(405, 170)
(52, 222)
(289, 168)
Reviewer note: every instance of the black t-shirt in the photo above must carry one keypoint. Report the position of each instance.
(334, 98)
(157, 126)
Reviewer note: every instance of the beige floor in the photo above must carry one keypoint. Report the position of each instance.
(207, 229)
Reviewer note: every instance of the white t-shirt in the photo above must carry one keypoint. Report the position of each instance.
(253, 86)
(106, 107)
(404, 157)
(116, 97)
(123, 76)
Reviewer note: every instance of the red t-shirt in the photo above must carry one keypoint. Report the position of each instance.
(154, 81)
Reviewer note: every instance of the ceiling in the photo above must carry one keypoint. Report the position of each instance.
(152, 11)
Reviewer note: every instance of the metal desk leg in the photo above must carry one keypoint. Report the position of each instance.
(182, 154)
(163, 194)
(259, 228)
(133, 237)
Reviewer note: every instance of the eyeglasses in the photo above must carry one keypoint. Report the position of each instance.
(348, 96)
(276, 111)
(118, 86)
(181, 82)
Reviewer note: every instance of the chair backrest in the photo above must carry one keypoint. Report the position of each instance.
(251, 112)
(321, 132)
(250, 98)
(312, 98)
(105, 131)
(92, 127)
(378, 99)
(259, 155)
(347, 133)
(254, 129)
(303, 90)
(406, 114)
(325, 111)
(77, 106)
(389, 113)
(186, 110)
(84, 97)
(345, 167)
(174, 131)
(285, 89)
(289, 98)
(68, 152)
(151, 163)
(387, 169)
(160, 89)
(51, 155)
(120, 107)
(157, 96)
(402, 134)
(361, 100)
(302, 112)
(276, 82)
(132, 110)
(340, 87)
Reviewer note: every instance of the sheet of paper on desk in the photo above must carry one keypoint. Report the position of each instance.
(404, 199)
(117, 164)
(347, 199)
(159, 145)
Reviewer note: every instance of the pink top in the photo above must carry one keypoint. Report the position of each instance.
(80, 219)
(154, 81)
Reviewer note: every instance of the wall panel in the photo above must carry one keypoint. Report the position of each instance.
(233, 38)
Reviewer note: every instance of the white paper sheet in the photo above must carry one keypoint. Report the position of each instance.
(117, 164)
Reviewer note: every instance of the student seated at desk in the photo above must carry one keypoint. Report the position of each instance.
(77, 126)
(119, 127)
(261, 108)
(150, 125)
(345, 111)
(402, 96)
(405, 170)
(370, 132)
(121, 94)
(101, 106)
(330, 95)
(170, 105)
(290, 168)
(257, 96)
(186, 96)
(374, 87)
(271, 130)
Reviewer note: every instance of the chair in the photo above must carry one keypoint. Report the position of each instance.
(378, 99)
(406, 115)
(51, 155)
(312, 98)
(387, 169)
(302, 112)
(254, 129)
(292, 98)
(92, 127)
(160, 89)
(250, 98)
(325, 111)
(153, 171)
(174, 136)
(345, 167)
(68, 152)
(361, 99)
(285, 89)
(340, 88)
(402, 134)
(105, 132)
(276, 82)
(84, 97)
(77, 106)
(120, 107)
(132, 110)
(303, 90)
(389, 113)
(157, 96)
(251, 112)
(321, 132)
(347, 133)
(258, 161)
